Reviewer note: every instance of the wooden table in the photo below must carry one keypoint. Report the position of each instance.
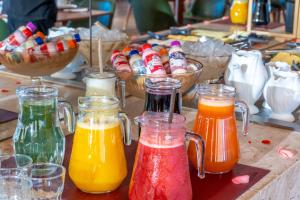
(283, 181)
(214, 25)
(63, 16)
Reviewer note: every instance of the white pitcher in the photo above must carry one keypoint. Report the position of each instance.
(282, 91)
(247, 73)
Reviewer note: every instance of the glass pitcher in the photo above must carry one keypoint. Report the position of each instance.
(105, 84)
(158, 94)
(161, 169)
(216, 123)
(98, 163)
(38, 133)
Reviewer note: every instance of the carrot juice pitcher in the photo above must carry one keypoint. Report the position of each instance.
(216, 123)
(98, 163)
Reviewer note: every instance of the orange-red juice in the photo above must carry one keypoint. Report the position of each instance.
(215, 122)
(98, 162)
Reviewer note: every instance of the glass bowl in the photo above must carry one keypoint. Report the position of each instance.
(135, 83)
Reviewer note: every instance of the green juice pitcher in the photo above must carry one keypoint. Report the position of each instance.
(38, 133)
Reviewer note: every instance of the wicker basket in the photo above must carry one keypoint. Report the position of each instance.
(33, 64)
(107, 48)
(213, 67)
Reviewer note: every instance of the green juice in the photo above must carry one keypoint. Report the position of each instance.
(38, 133)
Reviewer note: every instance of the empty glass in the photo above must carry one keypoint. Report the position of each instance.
(47, 181)
(15, 188)
(14, 165)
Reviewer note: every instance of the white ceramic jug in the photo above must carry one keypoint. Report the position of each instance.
(282, 91)
(247, 73)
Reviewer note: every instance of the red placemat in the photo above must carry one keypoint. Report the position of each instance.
(6, 116)
(220, 187)
(213, 187)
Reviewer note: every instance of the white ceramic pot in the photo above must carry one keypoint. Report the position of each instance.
(247, 73)
(282, 91)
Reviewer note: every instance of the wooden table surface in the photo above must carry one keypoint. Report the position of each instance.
(63, 16)
(212, 25)
(283, 181)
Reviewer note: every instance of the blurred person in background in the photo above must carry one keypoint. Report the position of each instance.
(41, 12)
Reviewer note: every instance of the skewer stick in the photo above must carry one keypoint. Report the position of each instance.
(100, 55)
(172, 104)
(90, 25)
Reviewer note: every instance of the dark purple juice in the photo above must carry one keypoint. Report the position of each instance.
(161, 102)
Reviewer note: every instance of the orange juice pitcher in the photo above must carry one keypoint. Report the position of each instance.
(216, 123)
(98, 163)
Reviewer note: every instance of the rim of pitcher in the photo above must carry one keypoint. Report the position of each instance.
(98, 75)
(219, 90)
(98, 102)
(159, 118)
(162, 83)
(37, 91)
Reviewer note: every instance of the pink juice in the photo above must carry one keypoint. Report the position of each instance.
(160, 173)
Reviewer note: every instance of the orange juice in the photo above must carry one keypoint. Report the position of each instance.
(216, 123)
(98, 162)
(239, 12)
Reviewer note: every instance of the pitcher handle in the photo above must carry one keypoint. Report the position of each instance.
(245, 112)
(200, 150)
(122, 93)
(127, 127)
(69, 115)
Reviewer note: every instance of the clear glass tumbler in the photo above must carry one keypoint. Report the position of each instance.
(15, 188)
(15, 165)
(47, 181)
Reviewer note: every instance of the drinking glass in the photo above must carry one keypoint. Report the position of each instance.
(15, 165)
(47, 181)
(15, 188)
